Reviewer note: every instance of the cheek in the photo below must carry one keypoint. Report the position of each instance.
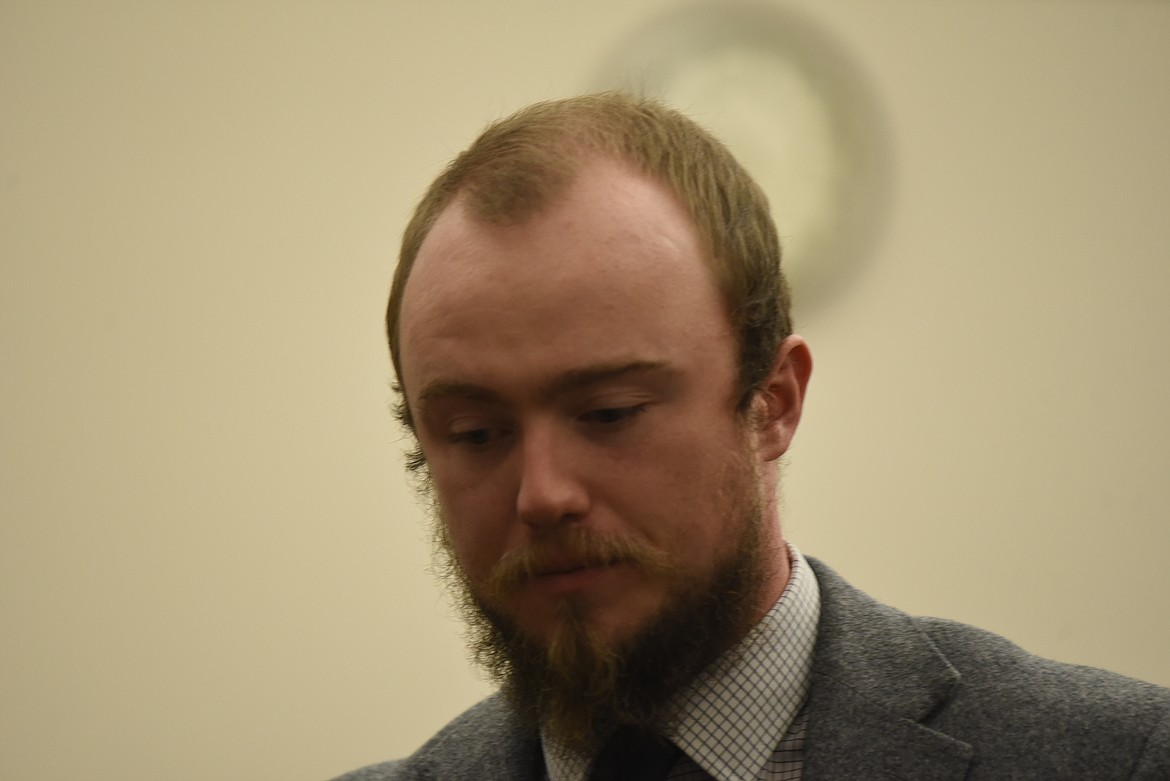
(712, 500)
(477, 524)
(471, 546)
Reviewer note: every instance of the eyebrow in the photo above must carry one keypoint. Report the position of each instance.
(574, 379)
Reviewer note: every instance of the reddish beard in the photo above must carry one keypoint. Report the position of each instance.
(579, 685)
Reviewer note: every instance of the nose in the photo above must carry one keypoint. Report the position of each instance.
(551, 491)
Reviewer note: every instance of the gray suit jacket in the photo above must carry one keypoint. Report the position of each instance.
(894, 697)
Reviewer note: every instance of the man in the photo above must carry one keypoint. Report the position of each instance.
(592, 341)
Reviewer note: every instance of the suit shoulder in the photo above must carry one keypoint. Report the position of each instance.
(487, 735)
(1019, 715)
(1029, 702)
(988, 661)
(383, 771)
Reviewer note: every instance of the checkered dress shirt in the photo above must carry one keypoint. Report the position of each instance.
(742, 718)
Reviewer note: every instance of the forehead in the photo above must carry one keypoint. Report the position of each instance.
(614, 263)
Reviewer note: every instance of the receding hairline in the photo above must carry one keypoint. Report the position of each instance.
(547, 144)
(468, 202)
(620, 176)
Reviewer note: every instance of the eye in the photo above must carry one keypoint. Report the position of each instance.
(476, 437)
(609, 416)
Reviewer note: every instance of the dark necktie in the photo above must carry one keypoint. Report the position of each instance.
(634, 754)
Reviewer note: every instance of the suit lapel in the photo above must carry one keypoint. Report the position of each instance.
(876, 678)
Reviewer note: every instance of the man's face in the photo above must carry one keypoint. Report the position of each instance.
(572, 381)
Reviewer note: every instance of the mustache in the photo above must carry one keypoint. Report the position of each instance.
(572, 550)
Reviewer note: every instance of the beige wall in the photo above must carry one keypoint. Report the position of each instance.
(210, 566)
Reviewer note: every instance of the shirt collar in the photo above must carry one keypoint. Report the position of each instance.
(734, 714)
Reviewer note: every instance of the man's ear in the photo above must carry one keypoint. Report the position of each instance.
(779, 401)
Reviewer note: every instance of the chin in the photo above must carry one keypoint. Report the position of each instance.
(609, 626)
